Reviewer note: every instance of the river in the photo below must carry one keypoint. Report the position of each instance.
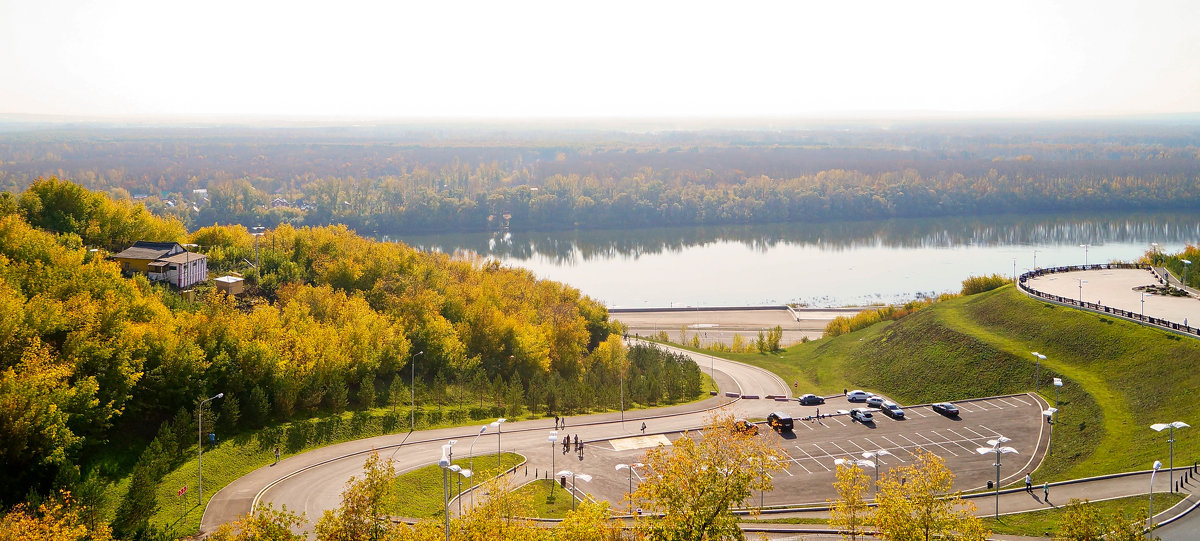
(819, 265)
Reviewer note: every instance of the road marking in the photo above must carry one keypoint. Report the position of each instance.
(838, 421)
(1022, 401)
(914, 444)
(916, 412)
(990, 430)
(856, 445)
(944, 448)
(968, 429)
(880, 447)
(948, 440)
(897, 447)
(814, 459)
(840, 448)
(962, 437)
(1010, 402)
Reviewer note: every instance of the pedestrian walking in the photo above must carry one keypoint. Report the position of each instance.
(276, 455)
(564, 422)
(643, 428)
(1028, 483)
(556, 422)
(581, 450)
(1046, 492)
(818, 413)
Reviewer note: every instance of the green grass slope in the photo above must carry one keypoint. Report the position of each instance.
(1120, 377)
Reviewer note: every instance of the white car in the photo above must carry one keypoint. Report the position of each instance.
(857, 396)
(862, 415)
(875, 401)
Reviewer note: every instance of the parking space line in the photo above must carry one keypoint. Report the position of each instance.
(807, 425)
(897, 447)
(877, 447)
(814, 459)
(860, 448)
(914, 444)
(982, 405)
(1018, 399)
(1009, 401)
(797, 461)
(964, 409)
(948, 440)
(964, 438)
(842, 450)
(916, 412)
(839, 421)
(944, 448)
(994, 433)
(968, 429)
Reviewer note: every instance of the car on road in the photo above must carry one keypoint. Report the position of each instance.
(811, 400)
(946, 408)
(743, 426)
(892, 409)
(875, 401)
(780, 421)
(857, 396)
(862, 415)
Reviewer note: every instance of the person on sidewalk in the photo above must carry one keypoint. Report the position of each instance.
(1028, 484)
(643, 428)
(1046, 492)
(556, 422)
(276, 455)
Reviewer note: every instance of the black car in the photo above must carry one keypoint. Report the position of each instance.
(946, 408)
(780, 421)
(811, 400)
(892, 409)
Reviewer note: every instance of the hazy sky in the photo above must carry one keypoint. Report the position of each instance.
(586, 58)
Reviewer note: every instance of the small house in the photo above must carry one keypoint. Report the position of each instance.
(164, 262)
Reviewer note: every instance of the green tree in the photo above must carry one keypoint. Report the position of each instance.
(359, 516)
(337, 395)
(265, 524)
(366, 392)
(231, 412)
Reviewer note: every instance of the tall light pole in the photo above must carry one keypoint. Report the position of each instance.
(630, 467)
(999, 450)
(200, 444)
(552, 439)
(1150, 517)
(1049, 413)
(1081, 282)
(1143, 305)
(1014, 270)
(1171, 440)
(462, 472)
(1035, 260)
(573, 476)
(1037, 376)
(497, 424)
(412, 387)
(1186, 264)
(1085, 250)
(444, 463)
(1058, 383)
(875, 455)
(471, 451)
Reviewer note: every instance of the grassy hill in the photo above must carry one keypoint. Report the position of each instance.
(1119, 377)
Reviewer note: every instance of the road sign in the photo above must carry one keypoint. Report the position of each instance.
(182, 491)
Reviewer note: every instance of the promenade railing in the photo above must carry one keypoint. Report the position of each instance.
(1096, 307)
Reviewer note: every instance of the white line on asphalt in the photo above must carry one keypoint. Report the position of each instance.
(807, 425)
(948, 440)
(860, 448)
(814, 459)
(962, 437)
(944, 448)
(898, 447)
(839, 421)
(1009, 401)
(916, 412)
(915, 444)
(1022, 401)
(841, 449)
(877, 447)
(968, 429)
(994, 433)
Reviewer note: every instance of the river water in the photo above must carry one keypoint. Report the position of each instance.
(819, 265)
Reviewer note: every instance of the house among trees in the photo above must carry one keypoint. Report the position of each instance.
(164, 262)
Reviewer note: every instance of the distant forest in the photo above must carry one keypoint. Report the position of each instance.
(422, 179)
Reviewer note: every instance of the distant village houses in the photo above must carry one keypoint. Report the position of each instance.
(164, 262)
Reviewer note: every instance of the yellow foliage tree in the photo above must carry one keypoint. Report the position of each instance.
(850, 512)
(915, 503)
(55, 520)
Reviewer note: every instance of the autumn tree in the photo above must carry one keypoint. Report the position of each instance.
(265, 524)
(58, 519)
(850, 512)
(1082, 521)
(693, 485)
(358, 517)
(915, 503)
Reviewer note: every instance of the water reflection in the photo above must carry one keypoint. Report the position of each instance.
(574, 247)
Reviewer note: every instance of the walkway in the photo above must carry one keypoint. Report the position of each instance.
(1110, 289)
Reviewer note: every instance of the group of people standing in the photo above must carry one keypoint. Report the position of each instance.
(567, 444)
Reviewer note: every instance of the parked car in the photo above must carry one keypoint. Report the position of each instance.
(946, 408)
(811, 400)
(743, 426)
(892, 409)
(862, 415)
(875, 401)
(780, 421)
(857, 396)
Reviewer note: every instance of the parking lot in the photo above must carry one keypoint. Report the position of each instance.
(807, 474)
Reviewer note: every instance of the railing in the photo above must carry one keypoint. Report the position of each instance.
(1096, 307)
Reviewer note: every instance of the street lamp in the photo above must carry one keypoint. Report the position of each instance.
(1057, 385)
(497, 424)
(1081, 282)
(444, 463)
(1150, 517)
(1037, 377)
(200, 442)
(1014, 270)
(1035, 260)
(1085, 250)
(1143, 306)
(462, 472)
(630, 467)
(471, 450)
(998, 449)
(552, 439)
(568, 473)
(875, 455)
(412, 387)
(1186, 264)
(1049, 413)
(1171, 440)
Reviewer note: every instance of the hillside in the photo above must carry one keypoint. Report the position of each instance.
(1119, 377)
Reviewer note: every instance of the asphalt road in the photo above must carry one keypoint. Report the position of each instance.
(312, 482)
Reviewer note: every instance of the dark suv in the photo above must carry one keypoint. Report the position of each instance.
(780, 421)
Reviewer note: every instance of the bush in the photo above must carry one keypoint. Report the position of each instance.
(979, 284)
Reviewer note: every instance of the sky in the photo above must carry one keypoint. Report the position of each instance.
(583, 58)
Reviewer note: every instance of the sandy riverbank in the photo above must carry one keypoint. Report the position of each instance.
(721, 324)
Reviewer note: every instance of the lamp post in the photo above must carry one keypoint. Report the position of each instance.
(412, 387)
(1085, 250)
(1143, 306)
(1186, 264)
(999, 450)
(1037, 377)
(1049, 413)
(552, 439)
(875, 455)
(471, 451)
(1159, 427)
(1014, 270)
(1035, 260)
(200, 444)
(573, 476)
(1081, 282)
(462, 472)
(444, 463)
(630, 467)
(1150, 517)
(1057, 385)
(499, 463)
